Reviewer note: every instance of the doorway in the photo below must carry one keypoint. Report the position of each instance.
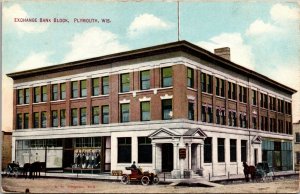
(167, 157)
(255, 156)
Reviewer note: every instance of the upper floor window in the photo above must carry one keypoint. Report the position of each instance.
(220, 116)
(27, 96)
(26, 120)
(54, 92)
(288, 108)
(125, 115)
(36, 94)
(83, 90)
(74, 117)
(191, 111)
(254, 96)
(220, 87)
(167, 109)
(145, 111)
(254, 122)
(19, 121)
(145, 80)
(74, 88)
(190, 77)
(62, 117)
(95, 86)
(280, 105)
(243, 94)
(297, 137)
(105, 85)
(206, 83)
(125, 82)
(20, 96)
(36, 120)
(43, 119)
(82, 116)
(44, 94)
(105, 114)
(232, 118)
(95, 115)
(232, 91)
(63, 91)
(243, 120)
(207, 114)
(167, 79)
(264, 100)
(54, 118)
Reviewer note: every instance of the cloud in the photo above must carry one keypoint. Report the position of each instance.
(147, 22)
(7, 103)
(282, 13)
(240, 52)
(93, 42)
(259, 27)
(34, 60)
(16, 11)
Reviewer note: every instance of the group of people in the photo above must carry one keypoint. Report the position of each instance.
(87, 159)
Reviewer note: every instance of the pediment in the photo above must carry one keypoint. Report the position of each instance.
(163, 132)
(257, 139)
(195, 133)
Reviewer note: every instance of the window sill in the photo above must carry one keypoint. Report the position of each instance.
(57, 101)
(193, 89)
(22, 104)
(222, 97)
(38, 103)
(210, 94)
(81, 98)
(99, 96)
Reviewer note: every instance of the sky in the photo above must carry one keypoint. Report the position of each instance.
(263, 36)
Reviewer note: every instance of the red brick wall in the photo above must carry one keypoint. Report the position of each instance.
(6, 148)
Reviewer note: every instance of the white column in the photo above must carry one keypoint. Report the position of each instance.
(175, 156)
(13, 148)
(238, 157)
(198, 155)
(134, 149)
(214, 154)
(227, 155)
(201, 155)
(190, 156)
(153, 156)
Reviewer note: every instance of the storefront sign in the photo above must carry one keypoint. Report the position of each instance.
(182, 153)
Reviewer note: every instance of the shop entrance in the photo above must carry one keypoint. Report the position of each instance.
(167, 157)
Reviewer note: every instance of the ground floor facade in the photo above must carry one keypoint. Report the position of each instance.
(180, 147)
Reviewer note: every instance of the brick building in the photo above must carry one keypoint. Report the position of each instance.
(170, 108)
(6, 148)
(296, 128)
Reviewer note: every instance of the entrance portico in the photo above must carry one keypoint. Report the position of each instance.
(177, 151)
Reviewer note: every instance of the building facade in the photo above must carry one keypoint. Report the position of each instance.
(296, 128)
(6, 148)
(171, 108)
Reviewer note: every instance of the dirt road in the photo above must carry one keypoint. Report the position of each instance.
(51, 185)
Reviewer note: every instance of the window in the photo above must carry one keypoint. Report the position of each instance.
(167, 79)
(63, 91)
(54, 118)
(254, 122)
(95, 115)
(145, 111)
(36, 94)
(243, 150)
(207, 114)
(124, 150)
(264, 100)
(27, 94)
(125, 113)
(243, 94)
(243, 120)
(105, 114)
(232, 118)
(20, 96)
(144, 150)
(297, 158)
(254, 97)
(208, 150)
(62, 117)
(125, 82)
(145, 80)
(44, 94)
(206, 83)
(95, 87)
(19, 121)
(220, 116)
(190, 77)
(288, 108)
(44, 119)
(74, 87)
(167, 109)
(105, 85)
(232, 91)
(36, 120)
(82, 116)
(273, 126)
(83, 91)
(74, 116)
(233, 150)
(191, 111)
(54, 92)
(221, 150)
(220, 87)
(26, 120)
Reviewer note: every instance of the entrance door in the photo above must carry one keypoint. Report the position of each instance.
(68, 153)
(255, 157)
(167, 157)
